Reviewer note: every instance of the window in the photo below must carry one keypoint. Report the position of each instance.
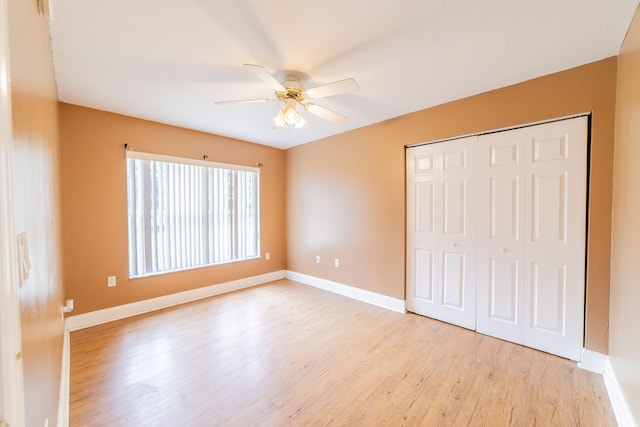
(189, 213)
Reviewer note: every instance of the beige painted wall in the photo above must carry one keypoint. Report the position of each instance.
(624, 339)
(36, 207)
(346, 194)
(95, 205)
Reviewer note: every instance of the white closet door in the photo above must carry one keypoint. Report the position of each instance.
(422, 239)
(441, 231)
(501, 235)
(531, 235)
(555, 194)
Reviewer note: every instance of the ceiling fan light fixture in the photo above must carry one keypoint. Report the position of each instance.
(278, 121)
(291, 116)
(301, 121)
(288, 116)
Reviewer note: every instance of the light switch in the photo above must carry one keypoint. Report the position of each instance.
(23, 258)
(111, 281)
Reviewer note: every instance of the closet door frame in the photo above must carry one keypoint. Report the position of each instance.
(529, 321)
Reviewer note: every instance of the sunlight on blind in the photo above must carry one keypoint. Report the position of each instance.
(185, 216)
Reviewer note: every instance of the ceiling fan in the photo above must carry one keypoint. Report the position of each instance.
(292, 93)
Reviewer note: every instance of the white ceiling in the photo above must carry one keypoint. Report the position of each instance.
(169, 60)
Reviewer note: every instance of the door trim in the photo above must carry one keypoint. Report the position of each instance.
(487, 132)
(11, 381)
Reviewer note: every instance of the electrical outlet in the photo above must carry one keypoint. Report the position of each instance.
(336, 263)
(267, 256)
(111, 281)
(317, 259)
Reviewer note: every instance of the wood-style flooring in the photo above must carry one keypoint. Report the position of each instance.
(288, 354)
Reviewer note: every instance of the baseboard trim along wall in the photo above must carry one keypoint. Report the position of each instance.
(93, 318)
(593, 361)
(63, 398)
(621, 409)
(349, 291)
(601, 364)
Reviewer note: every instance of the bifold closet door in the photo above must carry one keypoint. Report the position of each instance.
(531, 235)
(441, 243)
(501, 231)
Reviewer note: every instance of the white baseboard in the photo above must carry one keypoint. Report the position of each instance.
(601, 364)
(621, 409)
(593, 361)
(349, 291)
(93, 318)
(63, 398)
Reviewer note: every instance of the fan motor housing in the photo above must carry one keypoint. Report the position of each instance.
(294, 89)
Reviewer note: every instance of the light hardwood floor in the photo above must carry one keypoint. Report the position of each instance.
(288, 354)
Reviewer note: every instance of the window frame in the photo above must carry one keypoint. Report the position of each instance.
(145, 156)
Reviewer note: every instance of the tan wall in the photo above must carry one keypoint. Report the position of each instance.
(95, 205)
(346, 194)
(624, 338)
(37, 207)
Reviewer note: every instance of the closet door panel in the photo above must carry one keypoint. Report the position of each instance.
(556, 188)
(549, 208)
(548, 297)
(457, 237)
(426, 241)
(454, 207)
(422, 238)
(441, 231)
(500, 236)
(453, 266)
(424, 275)
(503, 291)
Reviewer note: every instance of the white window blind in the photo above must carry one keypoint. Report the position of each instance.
(188, 213)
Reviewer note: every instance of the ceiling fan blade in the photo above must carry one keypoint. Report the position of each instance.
(243, 101)
(325, 113)
(265, 76)
(335, 88)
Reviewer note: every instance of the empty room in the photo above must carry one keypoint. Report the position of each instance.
(246, 213)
